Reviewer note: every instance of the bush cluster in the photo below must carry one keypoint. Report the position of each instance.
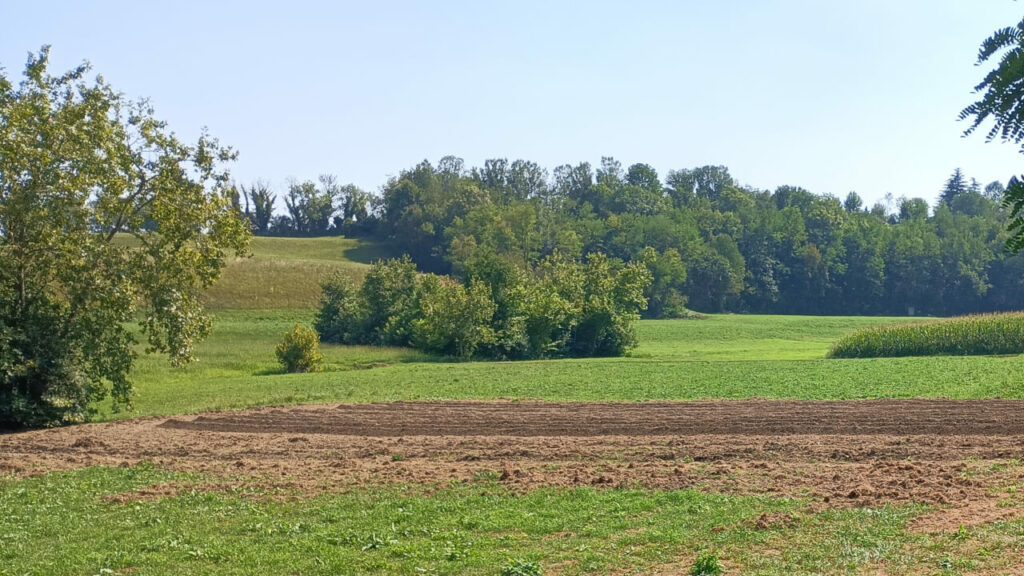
(966, 335)
(500, 311)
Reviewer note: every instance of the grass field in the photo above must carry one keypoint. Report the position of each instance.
(728, 356)
(68, 523)
(722, 356)
(286, 272)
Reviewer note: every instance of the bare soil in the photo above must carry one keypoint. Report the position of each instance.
(962, 455)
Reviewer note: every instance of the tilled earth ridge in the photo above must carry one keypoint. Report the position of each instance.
(587, 419)
(964, 454)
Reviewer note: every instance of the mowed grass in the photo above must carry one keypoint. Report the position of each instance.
(66, 523)
(725, 356)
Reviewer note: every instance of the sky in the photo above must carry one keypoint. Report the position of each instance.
(832, 96)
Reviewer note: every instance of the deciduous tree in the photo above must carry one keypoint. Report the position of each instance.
(82, 171)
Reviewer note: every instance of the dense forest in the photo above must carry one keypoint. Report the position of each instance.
(710, 243)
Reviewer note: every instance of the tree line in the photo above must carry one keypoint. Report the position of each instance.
(710, 243)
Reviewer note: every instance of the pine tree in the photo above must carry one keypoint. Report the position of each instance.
(956, 185)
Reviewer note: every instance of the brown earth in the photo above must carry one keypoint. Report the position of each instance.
(962, 455)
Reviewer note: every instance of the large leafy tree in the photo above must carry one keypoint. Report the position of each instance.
(1002, 101)
(105, 218)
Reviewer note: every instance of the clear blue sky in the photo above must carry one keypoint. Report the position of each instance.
(830, 96)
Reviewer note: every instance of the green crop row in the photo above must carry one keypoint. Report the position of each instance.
(984, 334)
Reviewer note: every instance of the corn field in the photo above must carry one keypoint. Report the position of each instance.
(962, 336)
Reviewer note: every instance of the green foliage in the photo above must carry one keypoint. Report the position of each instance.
(259, 206)
(1014, 198)
(710, 280)
(299, 350)
(707, 564)
(1002, 91)
(517, 567)
(80, 165)
(664, 295)
(955, 186)
(1002, 101)
(381, 311)
(389, 292)
(453, 320)
(611, 302)
(739, 249)
(342, 317)
(311, 207)
(564, 308)
(968, 335)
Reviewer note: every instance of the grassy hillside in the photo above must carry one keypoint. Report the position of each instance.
(286, 272)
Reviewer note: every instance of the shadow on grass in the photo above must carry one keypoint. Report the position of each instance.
(339, 367)
(369, 252)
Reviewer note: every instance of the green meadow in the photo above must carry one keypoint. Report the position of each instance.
(719, 356)
(728, 356)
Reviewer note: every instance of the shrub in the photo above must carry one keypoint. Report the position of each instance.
(379, 312)
(508, 286)
(453, 320)
(967, 335)
(389, 291)
(342, 315)
(707, 564)
(42, 382)
(300, 350)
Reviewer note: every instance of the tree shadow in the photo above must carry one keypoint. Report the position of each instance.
(369, 252)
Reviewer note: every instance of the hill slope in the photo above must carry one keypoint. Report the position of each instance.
(286, 272)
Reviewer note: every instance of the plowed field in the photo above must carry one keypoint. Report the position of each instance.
(837, 454)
